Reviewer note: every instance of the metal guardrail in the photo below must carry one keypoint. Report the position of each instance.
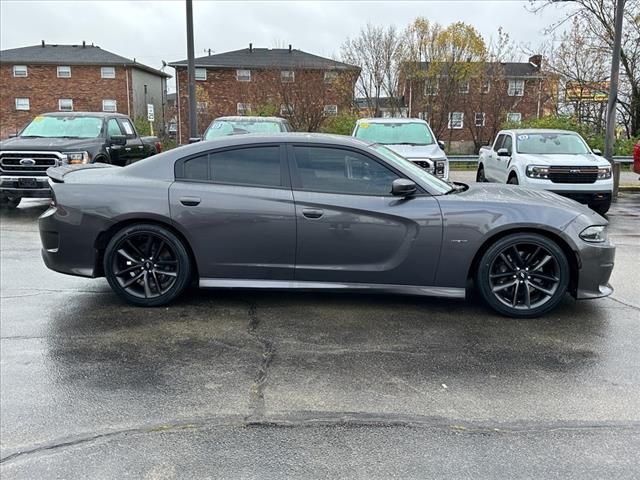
(474, 158)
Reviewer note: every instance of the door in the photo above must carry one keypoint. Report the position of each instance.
(491, 167)
(236, 207)
(351, 229)
(504, 162)
(134, 149)
(117, 153)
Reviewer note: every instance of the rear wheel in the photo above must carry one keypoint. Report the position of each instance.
(523, 275)
(147, 265)
(480, 177)
(10, 201)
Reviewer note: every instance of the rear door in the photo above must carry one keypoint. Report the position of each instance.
(351, 229)
(236, 207)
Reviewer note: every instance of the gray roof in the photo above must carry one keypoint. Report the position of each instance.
(70, 55)
(511, 69)
(260, 58)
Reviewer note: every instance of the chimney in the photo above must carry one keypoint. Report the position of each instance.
(42, 43)
(289, 48)
(536, 61)
(209, 52)
(250, 47)
(84, 44)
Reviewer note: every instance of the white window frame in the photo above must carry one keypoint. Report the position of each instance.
(286, 109)
(431, 89)
(23, 104)
(463, 87)
(330, 76)
(109, 101)
(60, 100)
(63, 67)
(516, 87)
(330, 110)
(109, 76)
(201, 107)
(243, 75)
(486, 86)
(18, 71)
(199, 74)
(287, 76)
(518, 115)
(243, 108)
(482, 122)
(453, 123)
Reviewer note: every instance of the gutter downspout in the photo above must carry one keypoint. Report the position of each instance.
(178, 104)
(126, 71)
(539, 96)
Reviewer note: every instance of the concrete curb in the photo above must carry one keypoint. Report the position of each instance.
(629, 188)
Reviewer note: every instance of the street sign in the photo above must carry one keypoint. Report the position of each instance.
(150, 112)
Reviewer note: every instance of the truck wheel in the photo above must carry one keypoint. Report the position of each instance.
(513, 180)
(601, 208)
(480, 178)
(523, 275)
(9, 201)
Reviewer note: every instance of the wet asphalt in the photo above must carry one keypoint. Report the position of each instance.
(297, 385)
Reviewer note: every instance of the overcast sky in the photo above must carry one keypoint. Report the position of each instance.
(152, 31)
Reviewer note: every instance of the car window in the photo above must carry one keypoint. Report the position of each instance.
(341, 171)
(499, 142)
(259, 166)
(222, 128)
(113, 127)
(127, 127)
(508, 143)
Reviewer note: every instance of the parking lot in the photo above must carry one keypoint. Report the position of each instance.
(241, 384)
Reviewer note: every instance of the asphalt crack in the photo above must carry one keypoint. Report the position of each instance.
(257, 405)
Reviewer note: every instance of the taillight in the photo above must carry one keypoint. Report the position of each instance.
(158, 147)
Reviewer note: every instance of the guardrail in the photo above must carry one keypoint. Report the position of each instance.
(474, 158)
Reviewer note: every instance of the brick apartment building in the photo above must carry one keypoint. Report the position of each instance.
(291, 83)
(45, 78)
(466, 104)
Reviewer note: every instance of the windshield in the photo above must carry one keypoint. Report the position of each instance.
(551, 143)
(437, 185)
(59, 126)
(221, 128)
(395, 133)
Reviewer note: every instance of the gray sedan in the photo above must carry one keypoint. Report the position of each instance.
(301, 211)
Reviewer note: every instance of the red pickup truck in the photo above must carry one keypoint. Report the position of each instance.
(636, 158)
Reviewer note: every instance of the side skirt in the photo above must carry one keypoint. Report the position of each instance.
(448, 292)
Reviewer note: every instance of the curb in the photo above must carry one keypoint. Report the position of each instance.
(629, 188)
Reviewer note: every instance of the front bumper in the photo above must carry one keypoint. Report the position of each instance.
(588, 198)
(10, 185)
(596, 265)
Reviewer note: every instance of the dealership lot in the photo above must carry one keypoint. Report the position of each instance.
(269, 384)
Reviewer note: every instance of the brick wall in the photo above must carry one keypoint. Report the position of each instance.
(43, 88)
(221, 93)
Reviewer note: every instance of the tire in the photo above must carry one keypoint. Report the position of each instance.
(513, 180)
(601, 208)
(9, 201)
(516, 278)
(480, 177)
(147, 265)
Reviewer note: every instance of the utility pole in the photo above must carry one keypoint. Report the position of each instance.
(613, 96)
(191, 70)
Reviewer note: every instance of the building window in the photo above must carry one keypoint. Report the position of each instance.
(486, 86)
(108, 72)
(331, 110)
(19, 70)
(201, 107)
(287, 76)
(22, 104)
(243, 108)
(286, 109)
(243, 75)
(109, 106)
(456, 120)
(65, 105)
(64, 71)
(463, 87)
(201, 73)
(330, 77)
(516, 88)
(479, 119)
(514, 117)
(431, 86)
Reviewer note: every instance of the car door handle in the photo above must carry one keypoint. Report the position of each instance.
(190, 201)
(312, 212)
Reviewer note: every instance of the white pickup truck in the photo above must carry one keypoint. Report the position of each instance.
(556, 160)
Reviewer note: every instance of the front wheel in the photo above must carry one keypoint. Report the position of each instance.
(601, 208)
(480, 177)
(513, 180)
(147, 265)
(9, 201)
(523, 275)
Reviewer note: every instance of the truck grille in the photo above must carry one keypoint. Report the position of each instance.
(586, 174)
(33, 164)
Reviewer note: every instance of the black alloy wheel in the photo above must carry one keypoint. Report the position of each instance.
(523, 275)
(147, 265)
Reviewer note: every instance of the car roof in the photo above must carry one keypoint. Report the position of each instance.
(537, 130)
(246, 118)
(83, 114)
(391, 120)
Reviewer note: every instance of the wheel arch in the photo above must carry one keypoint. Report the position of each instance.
(570, 253)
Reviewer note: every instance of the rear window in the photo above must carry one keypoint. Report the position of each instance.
(394, 133)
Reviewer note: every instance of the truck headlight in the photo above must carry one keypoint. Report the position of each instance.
(77, 158)
(537, 171)
(604, 172)
(594, 234)
(440, 167)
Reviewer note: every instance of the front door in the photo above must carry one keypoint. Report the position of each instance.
(236, 207)
(351, 229)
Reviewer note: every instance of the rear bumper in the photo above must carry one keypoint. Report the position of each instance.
(595, 270)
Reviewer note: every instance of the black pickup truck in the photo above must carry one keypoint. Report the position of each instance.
(54, 139)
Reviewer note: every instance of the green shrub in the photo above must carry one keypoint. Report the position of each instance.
(342, 124)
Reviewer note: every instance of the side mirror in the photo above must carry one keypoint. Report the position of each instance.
(441, 145)
(597, 152)
(118, 140)
(401, 187)
(503, 152)
(194, 139)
